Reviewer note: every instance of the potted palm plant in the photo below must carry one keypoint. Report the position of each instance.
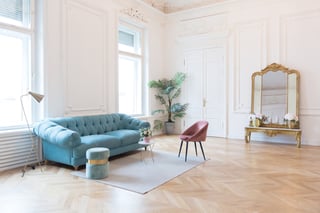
(167, 91)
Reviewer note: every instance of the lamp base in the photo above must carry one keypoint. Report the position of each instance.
(33, 149)
(32, 166)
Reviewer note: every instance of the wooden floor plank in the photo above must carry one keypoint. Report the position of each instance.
(238, 177)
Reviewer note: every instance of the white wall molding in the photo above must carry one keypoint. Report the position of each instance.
(298, 32)
(207, 24)
(250, 55)
(288, 19)
(285, 32)
(313, 111)
(85, 60)
(134, 13)
(204, 37)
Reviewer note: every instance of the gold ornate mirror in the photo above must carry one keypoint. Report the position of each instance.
(275, 95)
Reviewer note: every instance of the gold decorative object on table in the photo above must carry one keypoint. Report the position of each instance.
(291, 124)
(257, 122)
(291, 120)
(252, 120)
(275, 95)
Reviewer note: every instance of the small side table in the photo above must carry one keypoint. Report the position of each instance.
(147, 145)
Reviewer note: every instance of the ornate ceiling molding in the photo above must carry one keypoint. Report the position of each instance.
(135, 13)
(171, 6)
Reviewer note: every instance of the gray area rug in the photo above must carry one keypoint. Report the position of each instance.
(139, 172)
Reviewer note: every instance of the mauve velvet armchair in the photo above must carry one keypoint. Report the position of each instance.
(197, 132)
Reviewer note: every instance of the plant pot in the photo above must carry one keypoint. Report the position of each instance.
(147, 139)
(169, 128)
(291, 124)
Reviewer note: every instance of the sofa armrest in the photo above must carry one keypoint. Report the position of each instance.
(56, 134)
(134, 123)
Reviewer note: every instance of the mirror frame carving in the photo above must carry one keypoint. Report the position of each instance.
(274, 67)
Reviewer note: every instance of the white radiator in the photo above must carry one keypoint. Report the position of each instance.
(17, 149)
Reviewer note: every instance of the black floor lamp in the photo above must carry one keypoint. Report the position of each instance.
(38, 98)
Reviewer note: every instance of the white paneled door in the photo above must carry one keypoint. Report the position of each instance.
(205, 89)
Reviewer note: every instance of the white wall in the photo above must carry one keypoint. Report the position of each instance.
(257, 33)
(79, 63)
(80, 53)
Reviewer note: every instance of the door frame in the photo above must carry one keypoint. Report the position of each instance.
(220, 43)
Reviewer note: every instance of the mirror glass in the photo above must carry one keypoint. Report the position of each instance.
(257, 93)
(275, 93)
(292, 94)
(274, 96)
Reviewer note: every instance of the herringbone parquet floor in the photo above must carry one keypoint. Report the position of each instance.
(239, 177)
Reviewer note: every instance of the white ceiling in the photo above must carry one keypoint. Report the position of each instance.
(170, 6)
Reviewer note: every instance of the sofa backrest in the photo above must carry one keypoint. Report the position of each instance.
(98, 124)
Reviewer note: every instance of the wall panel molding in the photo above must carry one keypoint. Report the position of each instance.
(214, 24)
(291, 19)
(297, 35)
(85, 59)
(250, 55)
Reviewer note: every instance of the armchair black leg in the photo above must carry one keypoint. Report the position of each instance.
(204, 157)
(185, 158)
(195, 147)
(180, 148)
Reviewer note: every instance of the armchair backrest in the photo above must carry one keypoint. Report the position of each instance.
(197, 131)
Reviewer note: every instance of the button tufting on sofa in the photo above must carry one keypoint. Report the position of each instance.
(68, 138)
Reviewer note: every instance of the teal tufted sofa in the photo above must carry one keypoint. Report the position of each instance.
(66, 139)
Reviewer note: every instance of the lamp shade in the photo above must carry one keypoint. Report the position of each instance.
(36, 96)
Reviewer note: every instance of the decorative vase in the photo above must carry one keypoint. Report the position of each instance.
(291, 124)
(257, 123)
(147, 139)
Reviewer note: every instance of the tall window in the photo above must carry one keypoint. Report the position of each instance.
(130, 73)
(16, 36)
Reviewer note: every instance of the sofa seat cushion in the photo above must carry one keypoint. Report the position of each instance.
(126, 136)
(90, 141)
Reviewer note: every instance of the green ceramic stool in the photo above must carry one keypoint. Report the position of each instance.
(97, 166)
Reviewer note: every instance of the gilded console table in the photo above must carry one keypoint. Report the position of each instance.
(272, 132)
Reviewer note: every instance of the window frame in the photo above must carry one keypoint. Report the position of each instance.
(141, 55)
(24, 30)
